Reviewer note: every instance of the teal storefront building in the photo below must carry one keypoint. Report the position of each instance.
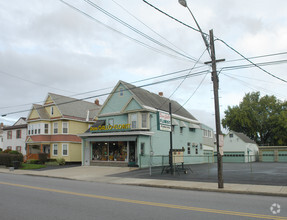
(126, 131)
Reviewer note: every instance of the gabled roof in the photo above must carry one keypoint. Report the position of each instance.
(41, 111)
(157, 102)
(74, 107)
(243, 137)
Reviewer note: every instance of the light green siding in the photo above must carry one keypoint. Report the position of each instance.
(282, 156)
(268, 156)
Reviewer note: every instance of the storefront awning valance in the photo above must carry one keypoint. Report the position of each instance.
(112, 138)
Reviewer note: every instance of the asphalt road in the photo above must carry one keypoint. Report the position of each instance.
(29, 197)
(241, 173)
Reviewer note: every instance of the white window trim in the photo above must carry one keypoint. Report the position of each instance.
(63, 127)
(54, 149)
(67, 150)
(54, 128)
(137, 121)
(147, 121)
(47, 128)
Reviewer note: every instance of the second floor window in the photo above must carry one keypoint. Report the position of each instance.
(55, 125)
(134, 120)
(9, 135)
(65, 127)
(144, 120)
(18, 134)
(46, 128)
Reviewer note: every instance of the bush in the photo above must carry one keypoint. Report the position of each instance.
(1, 150)
(7, 151)
(61, 161)
(43, 157)
(8, 159)
(13, 152)
(32, 161)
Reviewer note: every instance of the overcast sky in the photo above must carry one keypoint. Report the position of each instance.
(47, 46)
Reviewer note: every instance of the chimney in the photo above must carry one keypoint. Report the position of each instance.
(160, 94)
(97, 102)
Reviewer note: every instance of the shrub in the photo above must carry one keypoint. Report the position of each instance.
(8, 159)
(61, 161)
(7, 151)
(1, 150)
(13, 152)
(32, 161)
(43, 157)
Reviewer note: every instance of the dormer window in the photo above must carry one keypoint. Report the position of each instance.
(121, 92)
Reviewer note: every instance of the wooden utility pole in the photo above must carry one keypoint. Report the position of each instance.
(216, 105)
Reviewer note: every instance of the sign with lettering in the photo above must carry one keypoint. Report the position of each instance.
(116, 127)
(163, 121)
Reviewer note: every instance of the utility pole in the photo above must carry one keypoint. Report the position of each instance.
(215, 81)
(170, 138)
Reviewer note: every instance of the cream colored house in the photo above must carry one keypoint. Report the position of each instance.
(53, 127)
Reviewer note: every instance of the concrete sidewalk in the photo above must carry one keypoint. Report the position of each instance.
(103, 174)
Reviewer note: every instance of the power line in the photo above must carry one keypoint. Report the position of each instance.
(135, 29)
(104, 94)
(220, 41)
(30, 81)
(97, 90)
(150, 28)
(255, 57)
(283, 80)
(125, 35)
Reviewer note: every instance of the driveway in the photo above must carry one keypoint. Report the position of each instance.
(240, 173)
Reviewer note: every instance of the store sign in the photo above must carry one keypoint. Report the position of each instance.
(116, 127)
(163, 121)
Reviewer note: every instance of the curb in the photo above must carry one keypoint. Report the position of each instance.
(164, 186)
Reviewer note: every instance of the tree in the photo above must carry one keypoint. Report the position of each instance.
(264, 119)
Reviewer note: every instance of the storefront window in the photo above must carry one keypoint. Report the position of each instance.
(110, 151)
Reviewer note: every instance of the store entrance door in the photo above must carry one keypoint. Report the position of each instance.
(132, 153)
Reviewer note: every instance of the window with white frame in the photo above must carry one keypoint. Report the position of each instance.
(65, 149)
(55, 149)
(65, 127)
(18, 134)
(39, 128)
(144, 120)
(134, 120)
(46, 128)
(9, 135)
(18, 148)
(121, 92)
(111, 121)
(55, 127)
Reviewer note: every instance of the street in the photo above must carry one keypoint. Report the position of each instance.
(28, 197)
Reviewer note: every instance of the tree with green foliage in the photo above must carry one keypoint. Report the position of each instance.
(264, 119)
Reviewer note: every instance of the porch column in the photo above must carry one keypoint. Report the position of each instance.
(41, 148)
(28, 150)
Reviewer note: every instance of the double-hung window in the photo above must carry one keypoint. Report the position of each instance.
(134, 119)
(46, 128)
(55, 127)
(65, 149)
(144, 120)
(9, 135)
(18, 134)
(55, 149)
(65, 127)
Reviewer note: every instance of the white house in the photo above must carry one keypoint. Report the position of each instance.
(14, 136)
(239, 148)
(1, 135)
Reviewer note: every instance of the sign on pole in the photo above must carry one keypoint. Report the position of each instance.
(163, 121)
